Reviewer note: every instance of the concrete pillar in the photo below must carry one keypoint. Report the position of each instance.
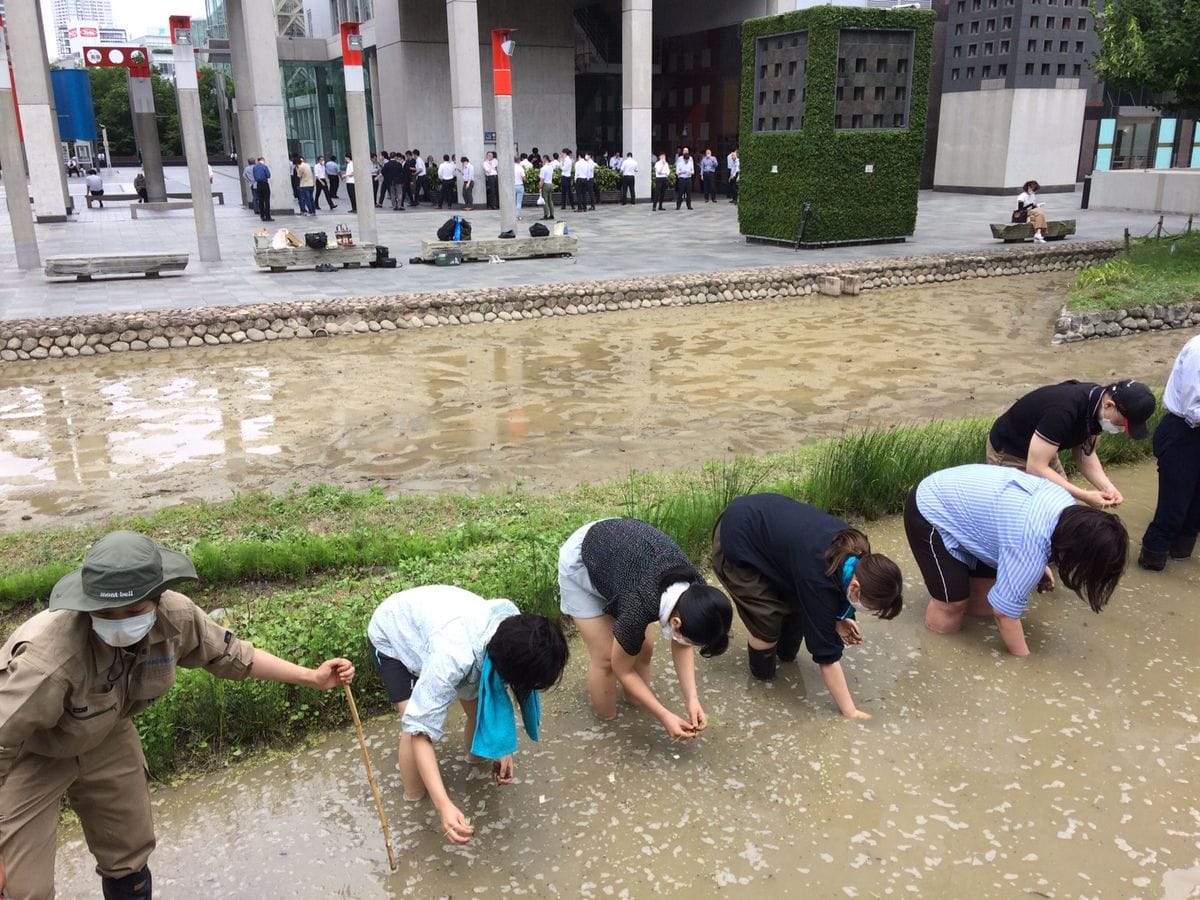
(360, 139)
(376, 106)
(145, 131)
(16, 190)
(39, 122)
(466, 82)
(191, 127)
(243, 94)
(637, 72)
(502, 86)
(223, 112)
(261, 61)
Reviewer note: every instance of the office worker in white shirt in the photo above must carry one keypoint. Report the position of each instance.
(662, 174)
(685, 169)
(629, 169)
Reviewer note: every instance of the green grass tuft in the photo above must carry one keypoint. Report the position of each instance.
(1156, 272)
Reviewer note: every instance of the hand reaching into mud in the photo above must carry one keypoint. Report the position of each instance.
(455, 825)
(1098, 499)
(849, 632)
(678, 727)
(697, 716)
(502, 770)
(1047, 582)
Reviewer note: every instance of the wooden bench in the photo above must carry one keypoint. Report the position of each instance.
(307, 258)
(219, 196)
(84, 267)
(1015, 232)
(504, 248)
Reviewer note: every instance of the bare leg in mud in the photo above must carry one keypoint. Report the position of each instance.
(945, 617)
(977, 604)
(646, 657)
(406, 761)
(601, 682)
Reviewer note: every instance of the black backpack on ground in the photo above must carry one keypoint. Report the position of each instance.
(456, 229)
(537, 229)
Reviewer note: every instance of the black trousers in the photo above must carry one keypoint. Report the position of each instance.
(406, 193)
(733, 189)
(567, 185)
(1177, 449)
(491, 187)
(351, 193)
(709, 180)
(422, 190)
(660, 193)
(627, 185)
(334, 181)
(322, 188)
(683, 192)
(385, 185)
(263, 194)
(583, 194)
(449, 190)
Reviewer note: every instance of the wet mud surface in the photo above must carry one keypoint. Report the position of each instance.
(545, 404)
(1072, 773)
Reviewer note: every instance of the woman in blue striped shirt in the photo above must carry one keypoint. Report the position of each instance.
(984, 537)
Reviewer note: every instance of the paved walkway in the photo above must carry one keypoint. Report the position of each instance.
(615, 241)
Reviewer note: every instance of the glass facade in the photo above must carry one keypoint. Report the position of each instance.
(314, 102)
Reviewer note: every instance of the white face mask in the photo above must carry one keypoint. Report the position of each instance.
(124, 632)
(1112, 427)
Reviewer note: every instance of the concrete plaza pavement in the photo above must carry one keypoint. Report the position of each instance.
(614, 242)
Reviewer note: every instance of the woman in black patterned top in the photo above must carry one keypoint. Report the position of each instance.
(619, 578)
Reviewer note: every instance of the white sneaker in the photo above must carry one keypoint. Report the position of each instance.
(1038, 239)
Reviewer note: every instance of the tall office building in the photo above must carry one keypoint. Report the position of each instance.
(99, 11)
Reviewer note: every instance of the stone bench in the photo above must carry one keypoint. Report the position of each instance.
(505, 248)
(308, 258)
(1014, 232)
(84, 267)
(219, 196)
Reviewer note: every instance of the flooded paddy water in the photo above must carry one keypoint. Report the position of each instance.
(1072, 773)
(546, 404)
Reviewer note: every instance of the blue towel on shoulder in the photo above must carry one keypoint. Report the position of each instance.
(495, 721)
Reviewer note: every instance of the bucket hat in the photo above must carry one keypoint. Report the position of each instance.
(120, 569)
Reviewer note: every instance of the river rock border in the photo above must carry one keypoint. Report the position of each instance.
(1072, 327)
(55, 338)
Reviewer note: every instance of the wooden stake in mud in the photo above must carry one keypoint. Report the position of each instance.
(362, 744)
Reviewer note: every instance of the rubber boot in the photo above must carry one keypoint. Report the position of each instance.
(1182, 546)
(1152, 560)
(762, 663)
(789, 641)
(132, 887)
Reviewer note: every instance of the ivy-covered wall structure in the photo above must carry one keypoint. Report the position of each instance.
(833, 110)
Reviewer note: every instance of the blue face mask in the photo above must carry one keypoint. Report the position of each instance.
(847, 574)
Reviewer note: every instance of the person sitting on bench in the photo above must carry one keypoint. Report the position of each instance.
(1028, 210)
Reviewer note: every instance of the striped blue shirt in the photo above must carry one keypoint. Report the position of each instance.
(999, 516)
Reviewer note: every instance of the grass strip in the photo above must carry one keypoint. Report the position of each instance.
(1155, 271)
(323, 558)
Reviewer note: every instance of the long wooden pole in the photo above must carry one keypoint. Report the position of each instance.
(362, 744)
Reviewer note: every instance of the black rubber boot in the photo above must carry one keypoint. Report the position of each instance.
(1152, 560)
(131, 887)
(762, 663)
(1182, 546)
(789, 641)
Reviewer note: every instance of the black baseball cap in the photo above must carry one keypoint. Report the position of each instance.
(1136, 403)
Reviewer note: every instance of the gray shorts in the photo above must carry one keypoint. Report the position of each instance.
(577, 595)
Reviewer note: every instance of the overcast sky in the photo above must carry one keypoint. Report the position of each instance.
(137, 17)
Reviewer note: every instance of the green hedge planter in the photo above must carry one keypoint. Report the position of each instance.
(823, 165)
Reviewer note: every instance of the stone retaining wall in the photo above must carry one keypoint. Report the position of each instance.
(211, 326)
(1072, 327)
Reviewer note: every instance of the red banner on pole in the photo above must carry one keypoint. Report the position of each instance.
(135, 59)
(502, 47)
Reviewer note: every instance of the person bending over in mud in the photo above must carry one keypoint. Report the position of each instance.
(438, 643)
(984, 537)
(621, 578)
(797, 574)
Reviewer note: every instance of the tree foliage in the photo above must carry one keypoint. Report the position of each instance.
(1151, 44)
(110, 99)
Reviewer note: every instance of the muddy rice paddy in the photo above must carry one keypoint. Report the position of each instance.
(544, 404)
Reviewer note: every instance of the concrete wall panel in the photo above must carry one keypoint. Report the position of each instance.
(1151, 190)
(973, 139)
(1045, 135)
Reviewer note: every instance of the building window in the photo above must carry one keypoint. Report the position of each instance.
(954, 74)
(901, 66)
(856, 120)
(1066, 24)
(988, 48)
(1045, 68)
(1079, 46)
(860, 64)
(1047, 46)
(687, 96)
(1007, 24)
(1003, 70)
(791, 95)
(970, 72)
(705, 93)
(1082, 23)
(1031, 46)
(1075, 70)
(860, 93)
(880, 93)
(961, 6)
(975, 4)
(1049, 21)
(705, 58)
(1035, 21)
(881, 64)
(901, 92)
(972, 50)
(877, 120)
(1061, 70)
(1063, 46)
(987, 71)
(990, 26)
(957, 52)
(1004, 45)
(958, 29)
(1028, 68)
(974, 28)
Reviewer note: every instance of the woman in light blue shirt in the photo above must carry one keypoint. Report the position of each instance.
(984, 536)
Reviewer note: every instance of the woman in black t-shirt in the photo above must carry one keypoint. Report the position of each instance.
(796, 573)
(1070, 416)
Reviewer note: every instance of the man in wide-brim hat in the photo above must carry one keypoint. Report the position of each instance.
(70, 680)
